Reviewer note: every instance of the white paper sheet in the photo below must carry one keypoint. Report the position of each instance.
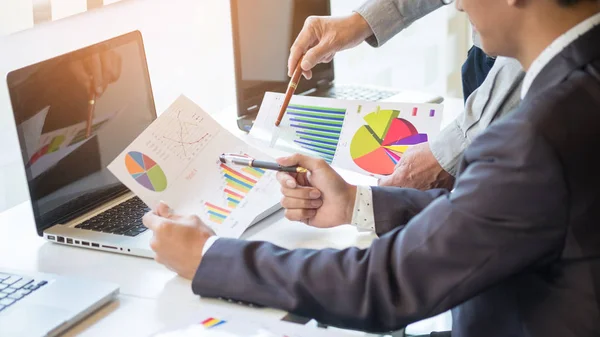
(218, 322)
(176, 160)
(365, 137)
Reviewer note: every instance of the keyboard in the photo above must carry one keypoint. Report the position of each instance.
(14, 288)
(123, 219)
(360, 93)
(81, 203)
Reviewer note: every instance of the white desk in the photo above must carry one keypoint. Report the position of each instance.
(152, 297)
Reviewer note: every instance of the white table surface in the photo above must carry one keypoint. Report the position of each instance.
(153, 298)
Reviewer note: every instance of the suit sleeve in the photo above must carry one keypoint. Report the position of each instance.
(395, 207)
(388, 17)
(506, 214)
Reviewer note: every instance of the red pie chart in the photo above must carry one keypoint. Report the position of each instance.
(378, 145)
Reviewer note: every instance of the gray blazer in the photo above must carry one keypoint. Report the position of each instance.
(498, 95)
(514, 249)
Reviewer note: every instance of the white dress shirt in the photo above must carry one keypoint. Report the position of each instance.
(363, 216)
(555, 48)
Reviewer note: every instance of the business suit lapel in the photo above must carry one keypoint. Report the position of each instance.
(578, 54)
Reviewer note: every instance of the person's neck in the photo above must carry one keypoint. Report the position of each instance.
(547, 26)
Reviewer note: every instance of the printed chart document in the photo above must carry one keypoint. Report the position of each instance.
(176, 160)
(217, 322)
(361, 136)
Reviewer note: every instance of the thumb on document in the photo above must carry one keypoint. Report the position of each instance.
(164, 210)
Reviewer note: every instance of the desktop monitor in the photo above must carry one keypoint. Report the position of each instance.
(105, 86)
(263, 33)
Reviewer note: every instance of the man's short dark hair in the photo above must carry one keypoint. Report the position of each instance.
(567, 3)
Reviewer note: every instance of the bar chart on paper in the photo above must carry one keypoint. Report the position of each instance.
(236, 186)
(216, 214)
(317, 129)
(379, 145)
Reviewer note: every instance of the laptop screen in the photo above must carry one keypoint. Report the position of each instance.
(263, 32)
(74, 114)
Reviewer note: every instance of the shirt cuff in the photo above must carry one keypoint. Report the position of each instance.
(448, 147)
(363, 216)
(209, 242)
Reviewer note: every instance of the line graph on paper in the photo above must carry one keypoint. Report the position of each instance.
(181, 133)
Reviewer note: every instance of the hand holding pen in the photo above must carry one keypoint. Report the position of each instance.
(95, 73)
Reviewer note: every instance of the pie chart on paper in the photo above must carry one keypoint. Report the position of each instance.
(378, 145)
(146, 171)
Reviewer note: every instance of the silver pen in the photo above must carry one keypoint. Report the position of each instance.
(229, 158)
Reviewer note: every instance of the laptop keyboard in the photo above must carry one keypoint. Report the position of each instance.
(360, 93)
(123, 219)
(14, 288)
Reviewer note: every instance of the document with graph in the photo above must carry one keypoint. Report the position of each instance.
(361, 136)
(237, 321)
(176, 160)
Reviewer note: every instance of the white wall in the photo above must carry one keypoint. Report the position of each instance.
(188, 45)
(427, 56)
(15, 15)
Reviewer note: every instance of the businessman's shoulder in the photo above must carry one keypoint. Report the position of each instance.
(563, 115)
(569, 106)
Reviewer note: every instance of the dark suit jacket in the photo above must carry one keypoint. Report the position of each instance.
(514, 250)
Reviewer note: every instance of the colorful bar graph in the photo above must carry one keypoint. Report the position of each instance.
(237, 186)
(233, 198)
(216, 214)
(318, 129)
(236, 180)
(255, 172)
(212, 322)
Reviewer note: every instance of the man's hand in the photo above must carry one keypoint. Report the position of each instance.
(419, 169)
(320, 198)
(97, 71)
(178, 240)
(323, 36)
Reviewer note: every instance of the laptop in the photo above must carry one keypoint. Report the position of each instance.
(35, 304)
(263, 32)
(74, 114)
